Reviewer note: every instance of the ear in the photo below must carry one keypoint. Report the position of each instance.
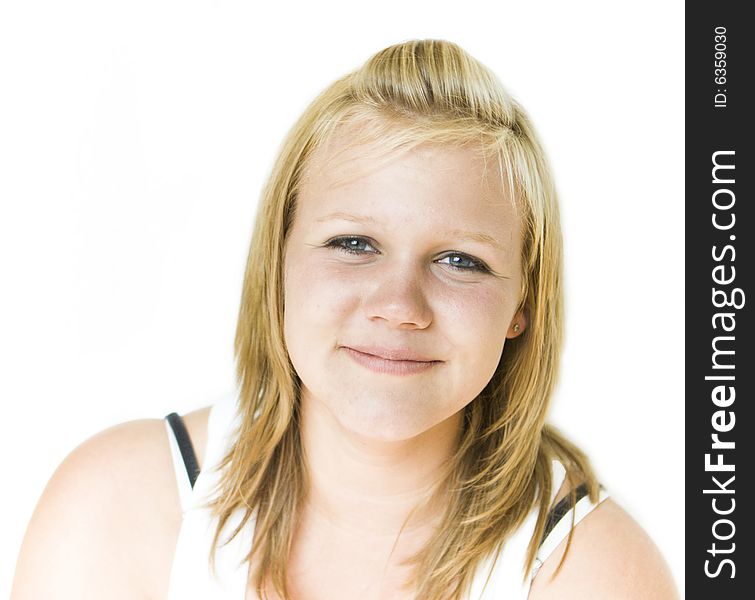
(518, 324)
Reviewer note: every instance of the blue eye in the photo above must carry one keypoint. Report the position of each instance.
(358, 245)
(352, 245)
(463, 262)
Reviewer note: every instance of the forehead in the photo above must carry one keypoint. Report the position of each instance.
(352, 172)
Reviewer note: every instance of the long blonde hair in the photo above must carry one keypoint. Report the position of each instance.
(410, 93)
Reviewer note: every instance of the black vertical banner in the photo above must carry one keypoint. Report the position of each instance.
(720, 298)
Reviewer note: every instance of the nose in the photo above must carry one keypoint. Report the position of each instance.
(397, 295)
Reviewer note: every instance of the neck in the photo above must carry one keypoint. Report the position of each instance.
(371, 486)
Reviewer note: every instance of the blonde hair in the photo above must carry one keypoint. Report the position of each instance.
(414, 92)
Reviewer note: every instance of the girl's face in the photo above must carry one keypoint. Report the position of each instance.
(402, 278)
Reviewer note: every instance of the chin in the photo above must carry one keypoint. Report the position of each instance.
(384, 421)
(378, 432)
(376, 412)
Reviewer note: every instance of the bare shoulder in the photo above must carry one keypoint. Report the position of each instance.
(610, 556)
(107, 523)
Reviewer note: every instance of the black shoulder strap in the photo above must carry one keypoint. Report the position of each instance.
(184, 445)
(561, 509)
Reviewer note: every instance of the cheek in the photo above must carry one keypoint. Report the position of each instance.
(316, 298)
(482, 311)
(477, 321)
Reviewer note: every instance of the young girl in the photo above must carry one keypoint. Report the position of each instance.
(397, 345)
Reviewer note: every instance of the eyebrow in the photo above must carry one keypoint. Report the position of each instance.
(461, 234)
(346, 217)
(476, 236)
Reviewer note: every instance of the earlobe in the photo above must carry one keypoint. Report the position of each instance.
(518, 325)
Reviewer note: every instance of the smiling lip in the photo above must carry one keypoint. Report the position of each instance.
(396, 362)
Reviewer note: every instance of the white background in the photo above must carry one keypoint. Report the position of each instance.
(134, 140)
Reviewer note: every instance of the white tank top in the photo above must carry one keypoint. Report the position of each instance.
(191, 576)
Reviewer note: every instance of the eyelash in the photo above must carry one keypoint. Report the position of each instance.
(342, 243)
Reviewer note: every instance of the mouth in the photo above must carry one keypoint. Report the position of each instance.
(393, 361)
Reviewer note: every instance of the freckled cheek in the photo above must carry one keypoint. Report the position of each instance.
(318, 292)
(478, 318)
